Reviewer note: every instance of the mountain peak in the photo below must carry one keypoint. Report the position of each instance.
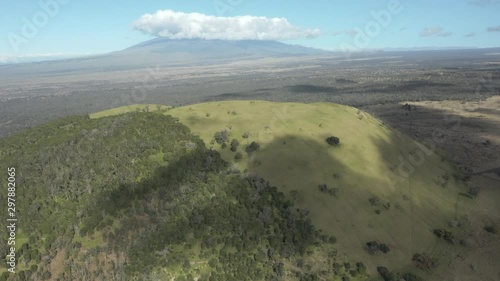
(222, 48)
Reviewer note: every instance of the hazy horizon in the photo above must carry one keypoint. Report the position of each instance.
(51, 29)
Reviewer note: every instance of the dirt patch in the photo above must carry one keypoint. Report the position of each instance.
(57, 263)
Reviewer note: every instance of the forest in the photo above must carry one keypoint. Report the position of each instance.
(138, 196)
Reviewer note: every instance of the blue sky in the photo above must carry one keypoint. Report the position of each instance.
(77, 27)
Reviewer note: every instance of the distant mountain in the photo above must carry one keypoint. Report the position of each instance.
(429, 48)
(161, 51)
(166, 52)
(221, 48)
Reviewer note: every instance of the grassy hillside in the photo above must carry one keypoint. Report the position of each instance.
(295, 157)
(385, 186)
(139, 197)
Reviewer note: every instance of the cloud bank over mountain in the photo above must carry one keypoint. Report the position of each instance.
(178, 25)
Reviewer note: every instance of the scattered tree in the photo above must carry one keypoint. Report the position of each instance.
(384, 273)
(252, 147)
(411, 277)
(234, 145)
(222, 137)
(361, 268)
(238, 156)
(373, 247)
(374, 200)
(473, 192)
(446, 235)
(491, 229)
(384, 248)
(333, 140)
(424, 261)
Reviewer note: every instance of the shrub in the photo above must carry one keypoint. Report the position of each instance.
(411, 277)
(384, 273)
(252, 147)
(234, 145)
(46, 275)
(373, 246)
(384, 248)
(238, 156)
(245, 135)
(4, 276)
(332, 239)
(374, 200)
(472, 192)
(221, 137)
(334, 191)
(337, 267)
(361, 267)
(424, 261)
(445, 234)
(333, 140)
(491, 229)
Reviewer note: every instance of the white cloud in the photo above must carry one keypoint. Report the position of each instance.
(434, 32)
(178, 25)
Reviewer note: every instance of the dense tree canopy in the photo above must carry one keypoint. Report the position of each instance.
(138, 196)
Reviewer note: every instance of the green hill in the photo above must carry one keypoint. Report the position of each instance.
(386, 187)
(367, 163)
(139, 197)
(160, 195)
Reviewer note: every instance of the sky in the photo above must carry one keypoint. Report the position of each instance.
(31, 30)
